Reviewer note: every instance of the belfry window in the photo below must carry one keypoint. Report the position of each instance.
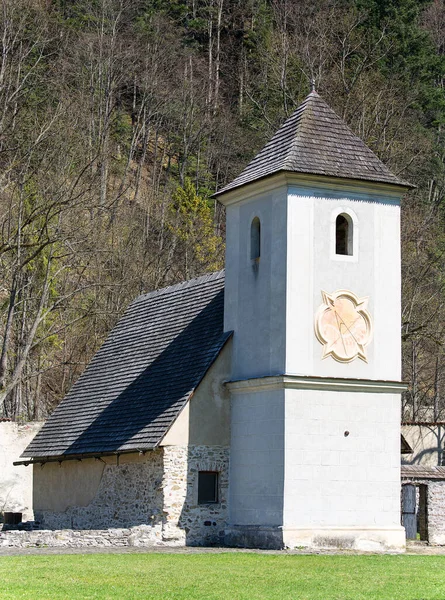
(255, 239)
(343, 235)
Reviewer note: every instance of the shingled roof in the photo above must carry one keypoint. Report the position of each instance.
(142, 376)
(314, 140)
(422, 472)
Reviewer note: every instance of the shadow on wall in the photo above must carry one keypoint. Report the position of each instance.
(427, 442)
(201, 518)
(196, 462)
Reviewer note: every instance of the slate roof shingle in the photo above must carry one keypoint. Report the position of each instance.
(315, 140)
(140, 379)
(422, 472)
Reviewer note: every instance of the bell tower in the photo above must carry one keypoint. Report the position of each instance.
(313, 297)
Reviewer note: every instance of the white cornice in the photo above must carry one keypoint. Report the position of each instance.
(301, 382)
(319, 182)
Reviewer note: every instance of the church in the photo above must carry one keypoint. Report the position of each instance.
(258, 406)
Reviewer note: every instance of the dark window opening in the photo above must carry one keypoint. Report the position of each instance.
(255, 239)
(343, 235)
(422, 513)
(207, 487)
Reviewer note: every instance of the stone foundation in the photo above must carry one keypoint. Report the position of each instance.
(365, 539)
(254, 536)
(144, 536)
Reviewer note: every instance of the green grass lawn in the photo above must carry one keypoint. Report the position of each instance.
(229, 576)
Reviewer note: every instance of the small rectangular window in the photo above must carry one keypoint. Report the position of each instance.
(207, 487)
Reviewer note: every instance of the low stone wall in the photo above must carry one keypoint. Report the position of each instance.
(135, 536)
(436, 513)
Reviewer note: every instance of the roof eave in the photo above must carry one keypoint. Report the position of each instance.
(282, 177)
(87, 455)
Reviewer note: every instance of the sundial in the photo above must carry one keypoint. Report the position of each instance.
(343, 325)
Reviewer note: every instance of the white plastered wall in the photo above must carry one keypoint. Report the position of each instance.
(342, 459)
(205, 420)
(257, 459)
(16, 482)
(255, 291)
(271, 304)
(373, 271)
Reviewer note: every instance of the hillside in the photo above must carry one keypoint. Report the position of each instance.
(120, 118)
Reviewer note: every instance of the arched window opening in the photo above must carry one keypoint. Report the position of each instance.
(343, 235)
(255, 239)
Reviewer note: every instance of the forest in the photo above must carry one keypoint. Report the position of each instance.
(120, 118)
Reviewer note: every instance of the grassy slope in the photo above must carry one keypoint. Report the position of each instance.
(222, 576)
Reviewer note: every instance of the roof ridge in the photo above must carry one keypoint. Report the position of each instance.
(302, 110)
(214, 276)
(305, 105)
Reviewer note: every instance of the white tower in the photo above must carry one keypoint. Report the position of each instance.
(313, 297)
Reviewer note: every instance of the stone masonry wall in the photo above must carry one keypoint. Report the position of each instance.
(128, 495)
(186, 521)
(68, 538)
(436, 513)
(141, 503)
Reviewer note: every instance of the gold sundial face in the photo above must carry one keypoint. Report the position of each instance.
(343, 325)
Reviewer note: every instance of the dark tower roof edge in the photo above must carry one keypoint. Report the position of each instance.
(314, 140)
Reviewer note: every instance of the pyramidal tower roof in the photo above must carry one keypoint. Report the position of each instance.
(316, 141)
